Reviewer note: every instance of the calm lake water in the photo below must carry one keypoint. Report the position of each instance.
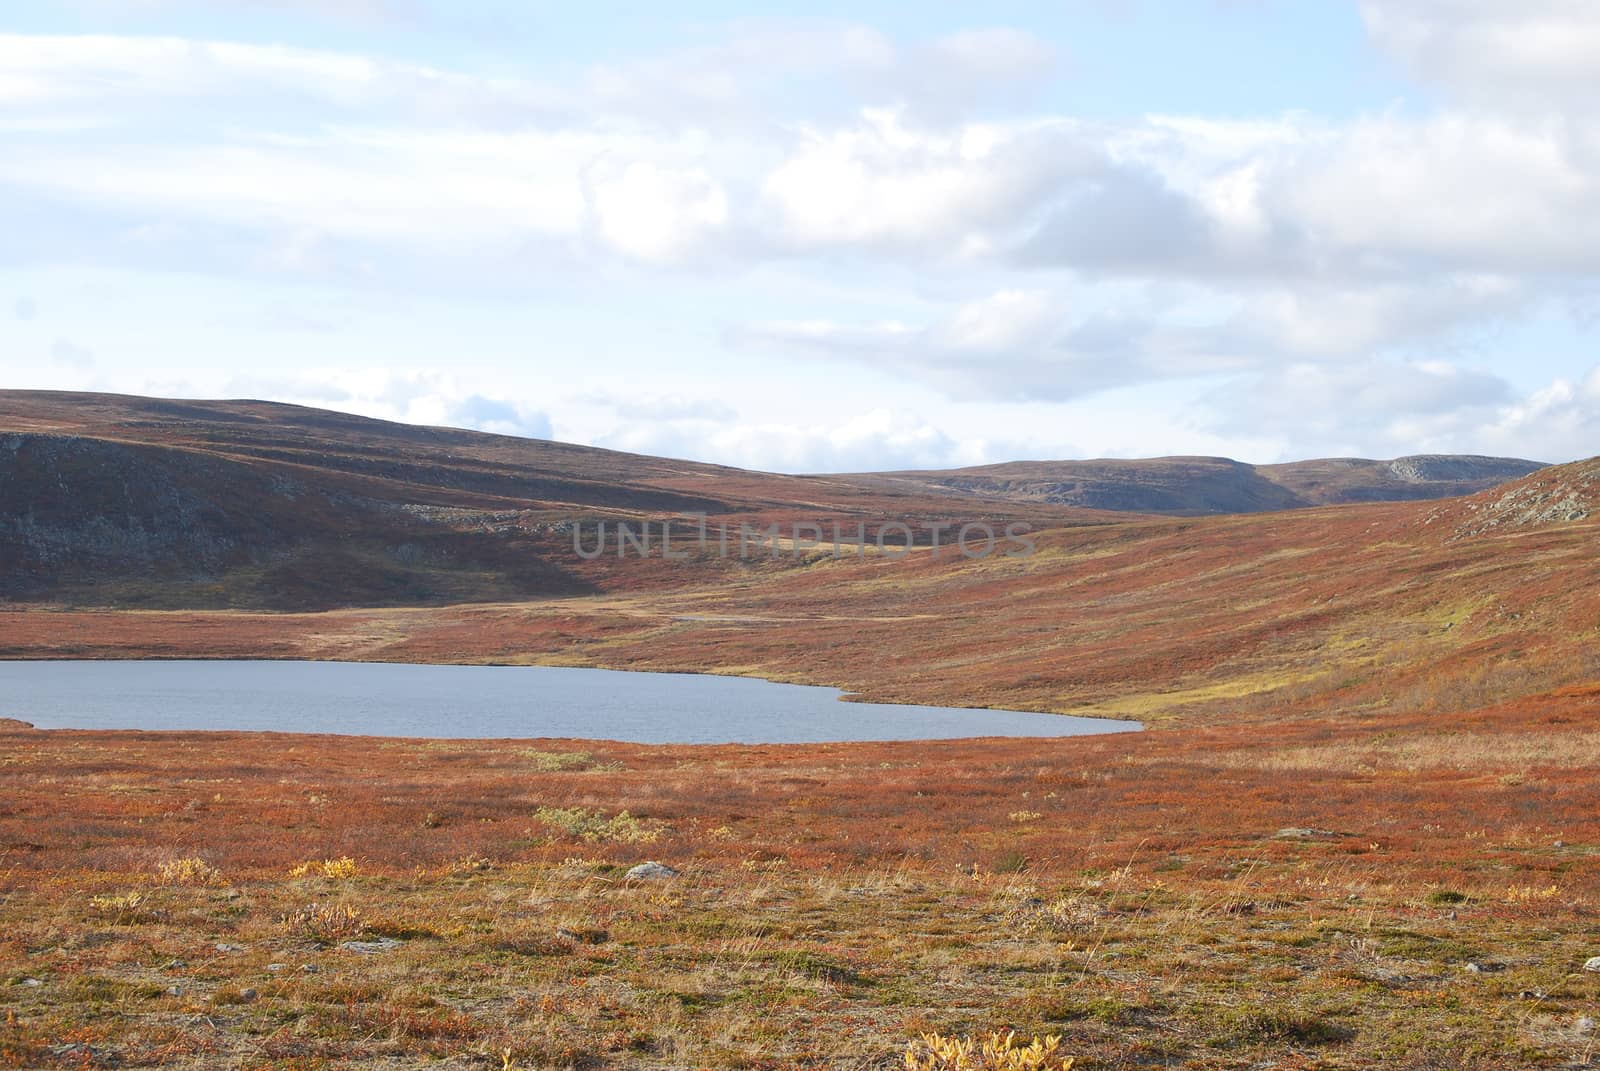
(380, 699)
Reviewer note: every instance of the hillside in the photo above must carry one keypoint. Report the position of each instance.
(1360, 608)
(108, 499)
(1361, 826)
(1193, 486)
(139, 501)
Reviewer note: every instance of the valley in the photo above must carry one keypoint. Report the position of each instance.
(1361, 827)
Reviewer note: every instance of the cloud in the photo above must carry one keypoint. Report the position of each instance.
(874, 440)
(417, 396)
(1408, 406)
(69, 355)
(640, 406)
(204, 85)
(1045, 345)
(760, 69)
(1558, 421)
(1128, 219)
(880, 184)
(1011, 345)
(1535, 52)
(1055, 256)
(947, 77)
(421, 159)
(1456, 192)
(361, 10)
(656, 213)
(496, 415)
(1336, 321)
(1387, 408)
(24, 308)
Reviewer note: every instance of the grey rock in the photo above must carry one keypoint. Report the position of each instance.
(1485, 968)
(373, 947)
(1593, 964)
(1583, 1025)
(226, 948)
(1305, 833)
(652, 871)
(86, 1055)
(31, 983)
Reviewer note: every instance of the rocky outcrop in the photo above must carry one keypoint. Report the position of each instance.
(75, 506)
(1457, 468)
(137, 523)
(1189, 486)
(1562, 494)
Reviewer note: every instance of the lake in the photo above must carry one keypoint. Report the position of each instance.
(483, 702)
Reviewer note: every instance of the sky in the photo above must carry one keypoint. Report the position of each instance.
(836, 237)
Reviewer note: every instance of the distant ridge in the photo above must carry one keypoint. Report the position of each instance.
(108, 499)
(1193, 486)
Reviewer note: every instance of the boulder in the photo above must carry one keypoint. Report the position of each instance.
(373, 947)
(652, 871)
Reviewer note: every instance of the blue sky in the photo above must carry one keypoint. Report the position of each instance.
(829, 237)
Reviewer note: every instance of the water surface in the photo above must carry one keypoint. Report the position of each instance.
(386, 699)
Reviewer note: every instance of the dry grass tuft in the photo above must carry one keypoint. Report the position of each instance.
(595, 827)
(341, 869)
(325, 923)
(996, 1052)
(189, 871)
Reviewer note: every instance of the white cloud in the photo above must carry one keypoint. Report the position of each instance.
(364, 10)
(1055, 256)
(675, 408)
(874, 440)
(1386, 408)
(656, 213)
(1038, 344)
(1538, 52)
(1351, 321)
(1559, 421)
(71, 355)
(1003, 322)
(1404, 406)
(434, 189)
(955, 193)
(417, 396)
(1457, 192)
(412, 154)
(756, 73)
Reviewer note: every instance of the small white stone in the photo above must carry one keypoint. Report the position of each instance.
(652, 871)
(371, 948)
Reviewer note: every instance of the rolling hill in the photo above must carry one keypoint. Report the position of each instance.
(140, 501)
(1194, 486)
(453, 546)
(108, 499)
